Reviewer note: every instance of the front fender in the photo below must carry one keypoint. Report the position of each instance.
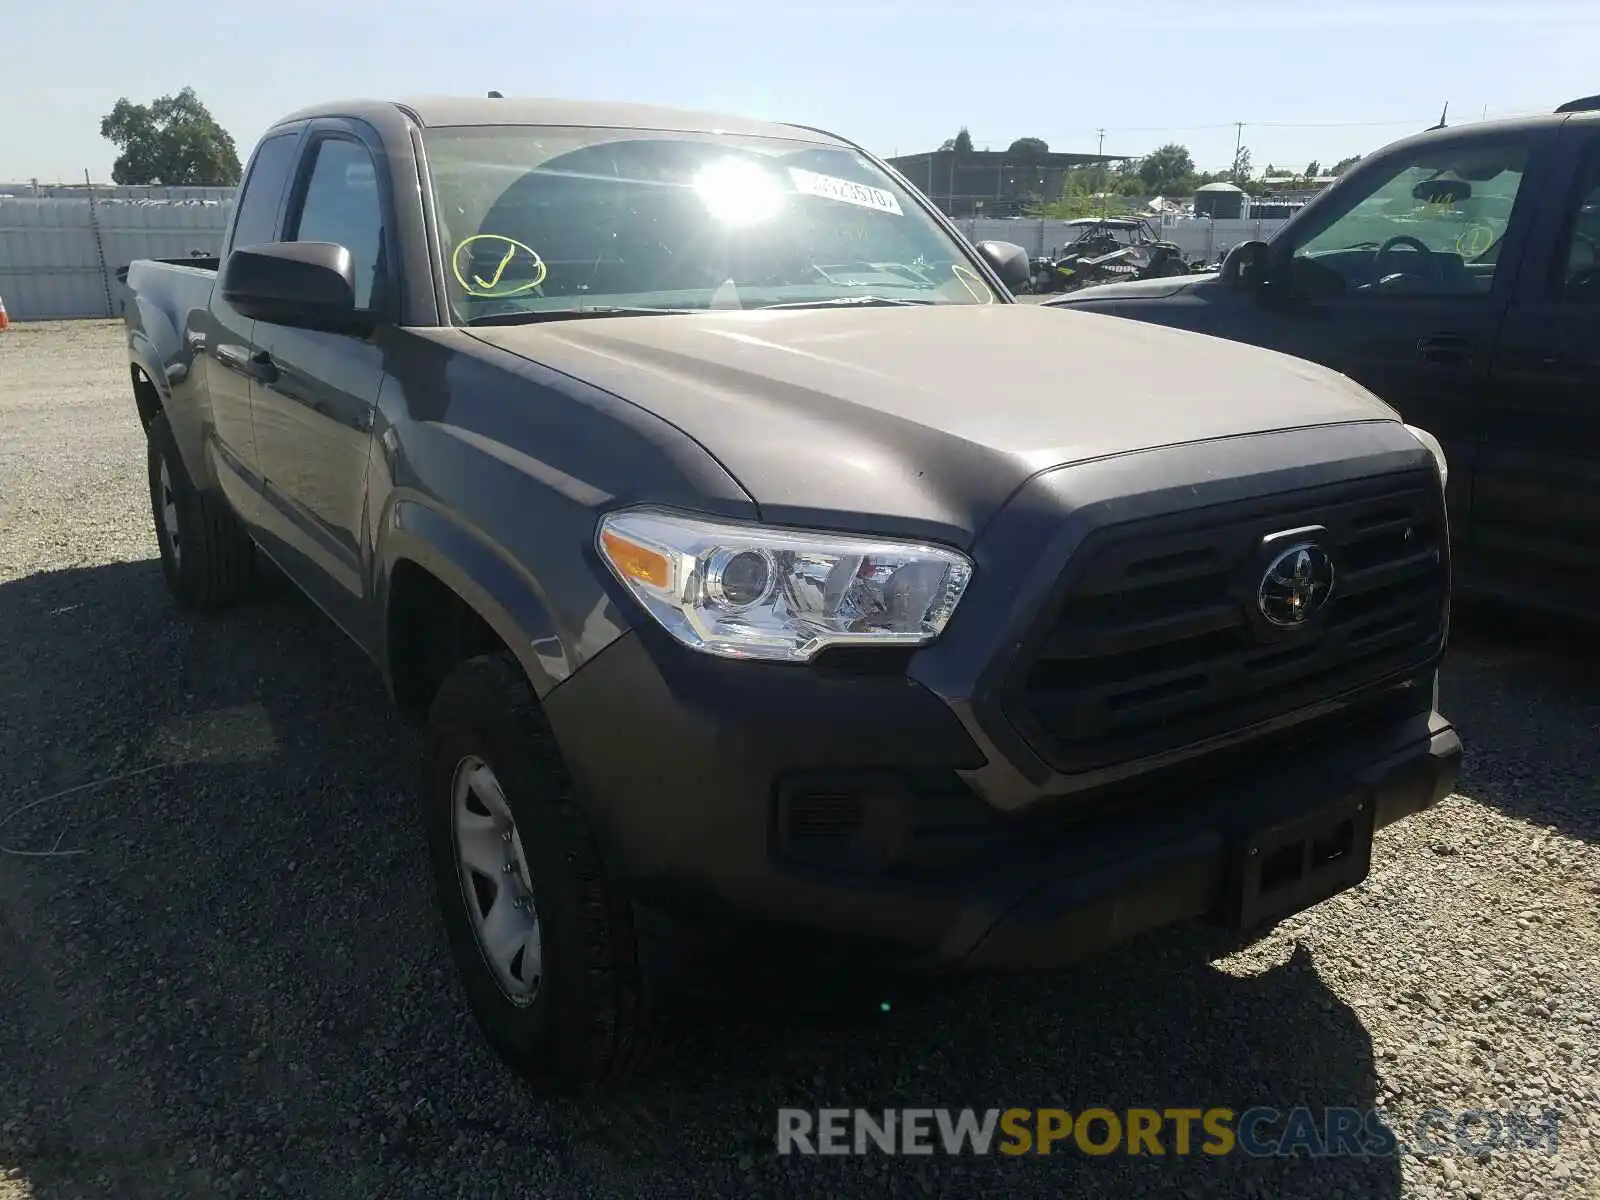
(485, 577)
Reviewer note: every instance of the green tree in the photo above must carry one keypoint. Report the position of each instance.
(1027, 148)
(1168, 169)
(1313, 169)
(1344, 164)
(173, 141)
(1241, 165)
(963, 142)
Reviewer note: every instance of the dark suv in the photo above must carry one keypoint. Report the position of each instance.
(1455, 274)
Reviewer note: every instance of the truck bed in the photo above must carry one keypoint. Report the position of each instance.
(208, 265)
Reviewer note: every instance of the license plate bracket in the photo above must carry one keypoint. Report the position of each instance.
(1286, 867)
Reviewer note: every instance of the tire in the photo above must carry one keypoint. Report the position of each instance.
(207, 557)
(588, 1020)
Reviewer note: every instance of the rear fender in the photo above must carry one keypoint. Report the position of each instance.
(163, 368)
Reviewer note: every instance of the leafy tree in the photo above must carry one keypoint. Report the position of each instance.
(1168, 169)
(963, 142)
(1313, 169)
(1027, 148)
(173, 141)
(1273, 172)
(1241, 165)
(1344, 164)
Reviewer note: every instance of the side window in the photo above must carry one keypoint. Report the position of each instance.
(1579, 268)
(1431, 223)
(341, 205)
(257, 219)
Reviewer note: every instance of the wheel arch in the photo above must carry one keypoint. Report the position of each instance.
(446, 595)
(150, 389)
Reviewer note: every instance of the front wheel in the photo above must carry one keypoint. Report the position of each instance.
(541, 935)
(207, 557)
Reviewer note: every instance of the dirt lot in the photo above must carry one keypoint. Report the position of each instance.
(220, 972)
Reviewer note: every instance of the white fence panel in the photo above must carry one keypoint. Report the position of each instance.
(59, 256)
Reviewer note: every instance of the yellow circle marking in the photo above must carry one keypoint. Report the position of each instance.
(1474, 241)
(967, 277)
(476, 285)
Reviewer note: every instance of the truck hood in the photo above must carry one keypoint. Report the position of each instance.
(1135, 289)
(924, 420)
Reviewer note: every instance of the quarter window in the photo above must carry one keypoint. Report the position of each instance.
(257, 219)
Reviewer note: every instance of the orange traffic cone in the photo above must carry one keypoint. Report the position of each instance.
(4, 320)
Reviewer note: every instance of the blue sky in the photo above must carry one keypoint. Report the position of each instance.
(1310, 80)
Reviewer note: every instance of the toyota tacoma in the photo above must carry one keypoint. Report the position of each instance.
(690, 480)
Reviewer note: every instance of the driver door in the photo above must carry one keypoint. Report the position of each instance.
(1402, 281)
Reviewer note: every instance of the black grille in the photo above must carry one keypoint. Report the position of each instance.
(1154, 642)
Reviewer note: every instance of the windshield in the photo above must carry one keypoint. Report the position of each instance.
(536, 219)
(1433, 222)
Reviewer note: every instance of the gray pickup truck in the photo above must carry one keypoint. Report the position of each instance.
(690, 480)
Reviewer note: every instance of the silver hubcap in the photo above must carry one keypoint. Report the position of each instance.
(169, 509)
(495, 883)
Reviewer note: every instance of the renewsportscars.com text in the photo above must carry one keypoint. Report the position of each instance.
(1257, 1132)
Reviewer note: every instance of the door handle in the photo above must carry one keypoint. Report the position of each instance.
(1446, 349)
(260, 367)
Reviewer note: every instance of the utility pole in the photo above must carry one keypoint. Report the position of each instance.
(1100, 153)
(1238, 144)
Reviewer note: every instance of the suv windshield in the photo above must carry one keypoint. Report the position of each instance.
(1431, 223)
(546, 219)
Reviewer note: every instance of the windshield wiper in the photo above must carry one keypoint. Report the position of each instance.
(534, 316)
(842, 301)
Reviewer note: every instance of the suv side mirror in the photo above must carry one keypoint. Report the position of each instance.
(1009, 260)
(308, 285)
(1246, 266)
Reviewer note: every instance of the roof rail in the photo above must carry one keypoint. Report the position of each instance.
(1586, 104)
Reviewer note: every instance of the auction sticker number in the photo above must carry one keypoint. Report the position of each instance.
(831, 187)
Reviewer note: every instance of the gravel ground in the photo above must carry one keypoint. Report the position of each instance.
(228, 979)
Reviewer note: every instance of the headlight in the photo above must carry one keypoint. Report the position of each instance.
(752, 591)
(1435, 449)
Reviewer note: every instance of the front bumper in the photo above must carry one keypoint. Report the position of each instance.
(691, 768)
(879, 814)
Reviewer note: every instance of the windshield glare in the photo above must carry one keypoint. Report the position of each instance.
(536, 218)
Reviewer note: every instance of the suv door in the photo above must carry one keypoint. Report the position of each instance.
(1401, 279)
(314, 401)
(1538, 491)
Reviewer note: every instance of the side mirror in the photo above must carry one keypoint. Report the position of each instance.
(1246, 266)
(1009, 260)
(308, 285)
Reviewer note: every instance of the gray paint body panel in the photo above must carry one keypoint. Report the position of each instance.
(922, 421)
